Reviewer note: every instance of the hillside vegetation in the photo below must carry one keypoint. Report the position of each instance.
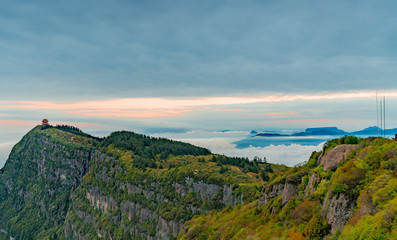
(346, 191)
(60, 183)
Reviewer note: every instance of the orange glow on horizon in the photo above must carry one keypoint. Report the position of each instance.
(18, 123)
(167, 107)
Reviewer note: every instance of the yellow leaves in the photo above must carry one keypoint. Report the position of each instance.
(304, 211)
(235, 168)
(382, 225)
(316, 228)
(126, 157)
(294, 235)
(321, 190)
(88, 176)
(361, 164)
(384, 194)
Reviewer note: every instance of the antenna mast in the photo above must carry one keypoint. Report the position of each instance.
(377, 112)
(384, 116)
(381, 116)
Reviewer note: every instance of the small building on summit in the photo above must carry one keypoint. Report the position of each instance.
(44, 123)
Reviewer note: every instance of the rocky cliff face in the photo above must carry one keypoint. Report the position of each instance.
(285, 190)
(336, 209)
(38, 179)
(336, 155)
(208, 191)
(335, 190)
(137, 207)
(347, 193)
(64, 184)
(339, 209)
(61, 184)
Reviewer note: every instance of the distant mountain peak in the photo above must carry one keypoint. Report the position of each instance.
(333, 131)
(321, 131)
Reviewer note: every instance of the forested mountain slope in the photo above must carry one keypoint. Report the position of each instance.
(60, 183)
(346, 191)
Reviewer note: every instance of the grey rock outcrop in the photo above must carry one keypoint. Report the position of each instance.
(310, 188)
(339, 209)
(208, 191)
(287, 190)
(99, 201)
(334, 156)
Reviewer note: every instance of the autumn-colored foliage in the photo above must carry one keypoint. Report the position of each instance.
(366, 180)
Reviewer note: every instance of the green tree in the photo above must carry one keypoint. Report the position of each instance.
(316, 228)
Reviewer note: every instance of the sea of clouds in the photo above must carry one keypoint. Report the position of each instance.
(223, 143)
(289, 155)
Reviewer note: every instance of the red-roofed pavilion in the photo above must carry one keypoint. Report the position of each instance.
(44, 122)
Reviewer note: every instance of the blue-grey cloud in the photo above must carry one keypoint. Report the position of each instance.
(102, 49)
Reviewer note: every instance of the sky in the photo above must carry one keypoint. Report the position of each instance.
(166, 67)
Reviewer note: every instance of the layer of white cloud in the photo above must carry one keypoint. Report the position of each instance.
(289, 155)
(222, 143)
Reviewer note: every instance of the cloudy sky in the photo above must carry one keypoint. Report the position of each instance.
(181, 66)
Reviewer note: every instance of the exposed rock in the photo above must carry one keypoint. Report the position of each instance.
(164, 227)
(99, 201)
(204, 190)
(336, 155)
(339, 211)
(131, 189)
(310, 185)
(52, 171)
(70, 167)
(179, 188)
(77, 182)
(228, 197)
(208, 191)
(288, 192)
(270, 193)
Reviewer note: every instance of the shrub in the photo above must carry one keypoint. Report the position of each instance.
(304, 211)
(316, 228)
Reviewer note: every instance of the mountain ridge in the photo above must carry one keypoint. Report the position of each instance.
(126, 185)
(329, 131)
(346, 191)
(59, 183)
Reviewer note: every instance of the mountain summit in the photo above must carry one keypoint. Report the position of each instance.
(61, 183)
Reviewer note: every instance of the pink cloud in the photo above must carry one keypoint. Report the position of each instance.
(129, 113)
(17, 123)
(167, 107)
(30, 123)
